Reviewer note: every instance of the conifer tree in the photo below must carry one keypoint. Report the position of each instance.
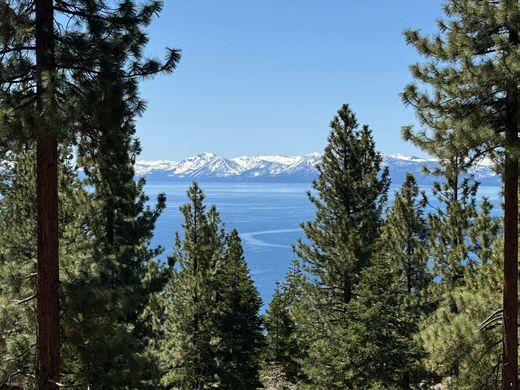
(18, 258)
(104, 352)
(237, 318)
(125, 224)
(274, 378)
(470, 102)
(186, 354)
(212, 330)
(351, 192)
(483, 233)
(42, 67)
(450, 222)
(379, 345)
(404, 239)
(282, 346)
(403, 246)
(463, 345)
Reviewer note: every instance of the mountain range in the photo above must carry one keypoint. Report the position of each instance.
(279, 168)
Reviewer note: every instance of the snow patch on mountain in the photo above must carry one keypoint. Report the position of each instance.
(210, 166)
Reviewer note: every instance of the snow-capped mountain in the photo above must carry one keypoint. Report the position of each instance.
(209, 166)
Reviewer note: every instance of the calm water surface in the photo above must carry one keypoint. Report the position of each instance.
(267, 216)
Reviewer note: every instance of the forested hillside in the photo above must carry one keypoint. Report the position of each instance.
(418, 293)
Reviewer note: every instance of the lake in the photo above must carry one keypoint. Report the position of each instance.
(267, 216)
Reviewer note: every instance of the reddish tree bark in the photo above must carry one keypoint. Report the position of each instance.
(510, 295)
(48, 346)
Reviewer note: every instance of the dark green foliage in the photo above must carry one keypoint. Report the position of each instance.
(455, 247)
(464, 85)
(404, 240)
(351, 192)
(17, 269)
(238, 303)
(18, 260)
(403, 247)
(122, 231)
(483, 233)
(450, 224)
(90, 103)
(282, 344)
(468, 97)
(460, 348)
(463, 344)
(102, 342)
(188, 332)
(379, 344)
(116, 297)
(274, 378)
(93, 39)
(212, 330)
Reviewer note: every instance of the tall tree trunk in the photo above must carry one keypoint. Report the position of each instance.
(510, 302)
(48, 346)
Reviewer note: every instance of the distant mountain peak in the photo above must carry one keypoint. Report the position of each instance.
(282, 168)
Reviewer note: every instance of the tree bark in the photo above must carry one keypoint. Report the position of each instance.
(48, 346)
(510, 297)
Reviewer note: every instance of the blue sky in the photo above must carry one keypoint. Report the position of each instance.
(266, 76)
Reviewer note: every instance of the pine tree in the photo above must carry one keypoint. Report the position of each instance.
(240, 332)
(378, 343)
(274, 378)
(186, 353)
(404, 239)
(212, 329)
(18, 257)
(116, 296)
(55, 62)
(287, 344)
(17, 270)
(282, 347)
(470, 102)
(454, 213)
(483, 233)
(404, 247)
(453, 335)
(463, 345)
(351, 192)
(93, 352)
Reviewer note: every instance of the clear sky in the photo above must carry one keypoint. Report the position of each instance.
(266, 76)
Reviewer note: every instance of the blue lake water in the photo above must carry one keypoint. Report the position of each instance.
(267, 216)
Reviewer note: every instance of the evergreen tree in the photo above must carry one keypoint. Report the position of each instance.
(18, 258)
(17, 270)
(379, 345)
(404, 239)
(450, 222)
(470, 101)
(282, 347)
(351, 192)
(238, 303)
(186, 353)
(106, 352)
(44, 66)
(212, 333)
(404, 247)
(274, 378)
(483, 233)
(460, 349)
(116, 296)
(463, 345)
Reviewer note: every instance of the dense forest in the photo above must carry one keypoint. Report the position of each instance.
(419, 293)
